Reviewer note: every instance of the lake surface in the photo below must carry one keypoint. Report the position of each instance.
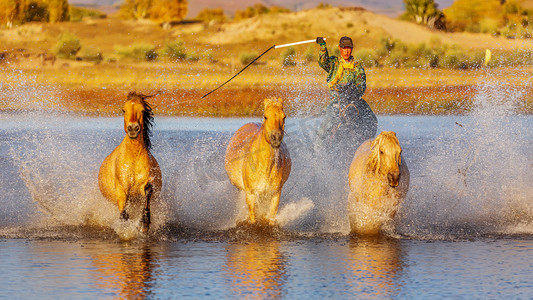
(464, 231)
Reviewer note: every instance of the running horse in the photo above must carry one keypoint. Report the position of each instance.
(258, 162)
(130, 176)
(379, 180)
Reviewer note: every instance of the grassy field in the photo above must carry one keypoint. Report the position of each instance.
(101, 88)
(178, 87)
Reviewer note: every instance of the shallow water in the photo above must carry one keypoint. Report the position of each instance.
(464, 230)
(315, 268)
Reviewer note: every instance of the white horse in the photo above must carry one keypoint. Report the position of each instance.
(379, 180)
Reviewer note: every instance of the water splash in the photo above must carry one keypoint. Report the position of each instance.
(476, 175)
(471, 179)
(294, 211)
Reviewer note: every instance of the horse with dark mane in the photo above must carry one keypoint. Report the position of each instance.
(130, 176)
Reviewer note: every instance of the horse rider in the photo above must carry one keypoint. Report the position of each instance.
(346, 81)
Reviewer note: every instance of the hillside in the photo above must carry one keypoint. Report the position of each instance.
(390, 8)
(99, 87)
(228, 40)
(365, 27)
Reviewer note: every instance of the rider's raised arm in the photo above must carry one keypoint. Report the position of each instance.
(324, 60)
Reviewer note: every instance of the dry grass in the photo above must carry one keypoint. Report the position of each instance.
(101, 89)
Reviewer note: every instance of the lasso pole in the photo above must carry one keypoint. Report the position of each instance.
(273, 47)
(239, 71)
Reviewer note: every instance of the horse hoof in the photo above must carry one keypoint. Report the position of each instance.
(144, 228)
(145, 221)
(124, 215)
(146, 217)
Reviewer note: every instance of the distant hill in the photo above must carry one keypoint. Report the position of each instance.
(391, 8)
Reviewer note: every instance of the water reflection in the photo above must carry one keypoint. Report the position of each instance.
(376, 265)
(125, 270)
(256, 270)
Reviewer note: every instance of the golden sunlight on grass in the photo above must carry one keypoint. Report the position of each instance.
(101, 88)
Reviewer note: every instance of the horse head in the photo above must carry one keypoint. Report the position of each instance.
(386, 156)
(138, 117)
(274, 122)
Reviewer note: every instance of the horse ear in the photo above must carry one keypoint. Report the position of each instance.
(280, 101)
(267, 102)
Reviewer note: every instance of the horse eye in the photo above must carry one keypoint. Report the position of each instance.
(265, 117)
(123, 110)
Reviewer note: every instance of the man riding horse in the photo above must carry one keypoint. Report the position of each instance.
(348, 120)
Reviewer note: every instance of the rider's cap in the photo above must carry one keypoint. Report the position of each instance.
(345, 42)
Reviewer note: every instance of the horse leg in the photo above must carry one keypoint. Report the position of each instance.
(250, 200)
(121, 202)
(148, 190)
(274, 208)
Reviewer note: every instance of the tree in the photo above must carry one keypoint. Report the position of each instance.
(58, 10)
(21, 11)
(467, 14)
(168, 10)
(424, 12)
(207, 15)
(12, 12)
(251, 11)
(135, 9)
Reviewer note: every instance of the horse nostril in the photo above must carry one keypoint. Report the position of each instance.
(393, 178)
(133, 127)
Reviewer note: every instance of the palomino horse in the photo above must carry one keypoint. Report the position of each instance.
(130, 176)
(379, 180)
(258, 162)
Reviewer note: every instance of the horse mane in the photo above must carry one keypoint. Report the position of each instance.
(273, 102)
(148, 117)
(374, 160)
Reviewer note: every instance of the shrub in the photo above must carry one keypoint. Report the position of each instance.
(385, 46)
(310, 54)
(193, 56)
(67, 46)
(91, 54)
(287, 57)
(513, 58)
(455, 59)
(247, 58)
(138, 52)
(207, 15)
(208, 55)
(78, 13)
(367, 57)
(175, 51)
(476, 59)
(489, 26)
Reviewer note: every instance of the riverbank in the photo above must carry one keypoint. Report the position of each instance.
(101, 89)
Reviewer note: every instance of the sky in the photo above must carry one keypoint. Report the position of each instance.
(391, 8)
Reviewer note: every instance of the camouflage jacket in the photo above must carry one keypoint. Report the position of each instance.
(342, 73)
